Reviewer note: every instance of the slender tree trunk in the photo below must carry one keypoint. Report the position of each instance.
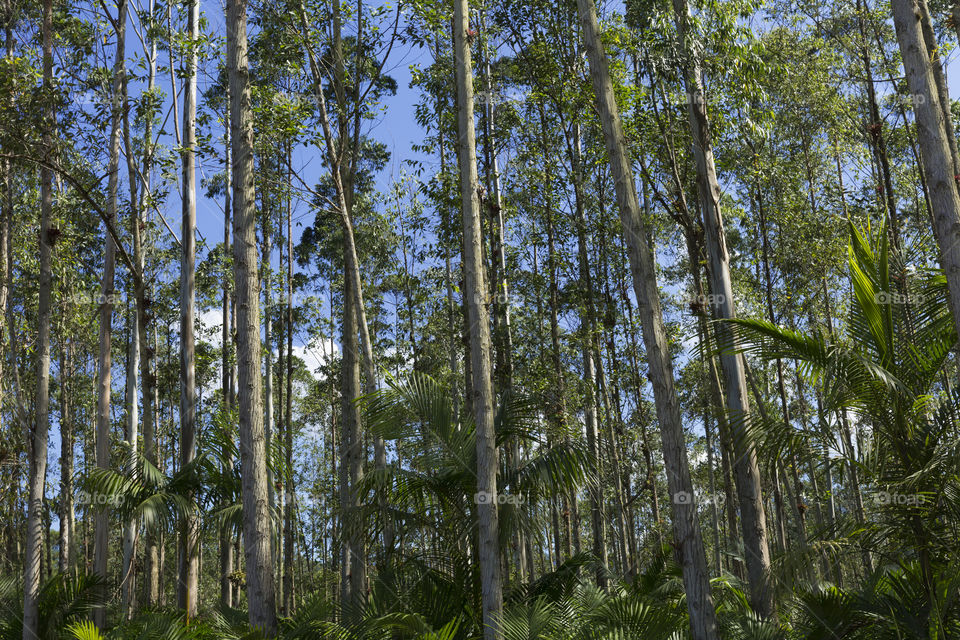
(589, 364)
(935, 149)
(474, 292)
(38, 439)
(694, 241)
(253, 454)
(266, 270)
(149, 380)
(134, 354)
(686, 530)
(353, 556)
(752, 516)
(343, 172)
(67, 532)
(875, 131)
(104, 358)
(288, 516)
(6, 269)
(226, 374)
(187, 592)
(127, 576)
(6, 217)
(499, 285)
(781, 385)
(612, 404)
(558, 405)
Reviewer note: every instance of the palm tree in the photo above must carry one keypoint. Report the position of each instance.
(886, 373)
(431, 496)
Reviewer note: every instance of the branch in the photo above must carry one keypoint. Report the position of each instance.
(86, 195)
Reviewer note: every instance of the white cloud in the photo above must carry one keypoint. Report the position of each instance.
(315, 355)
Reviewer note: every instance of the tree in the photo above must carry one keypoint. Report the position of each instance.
(474, 293)
(752, 516)
(188, 586)
(39, 432)
(107, 292)
(686, 529)
(938, 164)
(261, 596)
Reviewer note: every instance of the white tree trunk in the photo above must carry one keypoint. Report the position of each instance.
(261, 595)
(686, 530)
(135, 353)
(475, 294)
(187, 591)
(935, 148)
(38, 442)
(104, 356)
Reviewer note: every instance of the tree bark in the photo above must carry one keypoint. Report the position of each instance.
(148, 378)
(261, 596)
(187, 592)
(226, 373)
(134, 352)
(480, 345)
(687, 537)
(288, 516)
(752, 516)
(38, 441)
(935, 149)
(104, 357)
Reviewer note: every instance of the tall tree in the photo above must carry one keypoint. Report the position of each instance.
(144, 317)
(107, 292)
(474, 294)
(932, 132)
(134, 353)
(752, 516)
(686, 529)
(226, 374)
(187, 591)
(261, 595)
(39, 432)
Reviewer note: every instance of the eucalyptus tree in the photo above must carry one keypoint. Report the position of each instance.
(188, 584)
(142, 293)
(107, 291)
(933, 133)
(479, 331)
(688, 538)
(40, 428)
(261, 596)
(752, 516)
(342, 154)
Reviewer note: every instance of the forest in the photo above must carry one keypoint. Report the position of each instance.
(479, 320)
